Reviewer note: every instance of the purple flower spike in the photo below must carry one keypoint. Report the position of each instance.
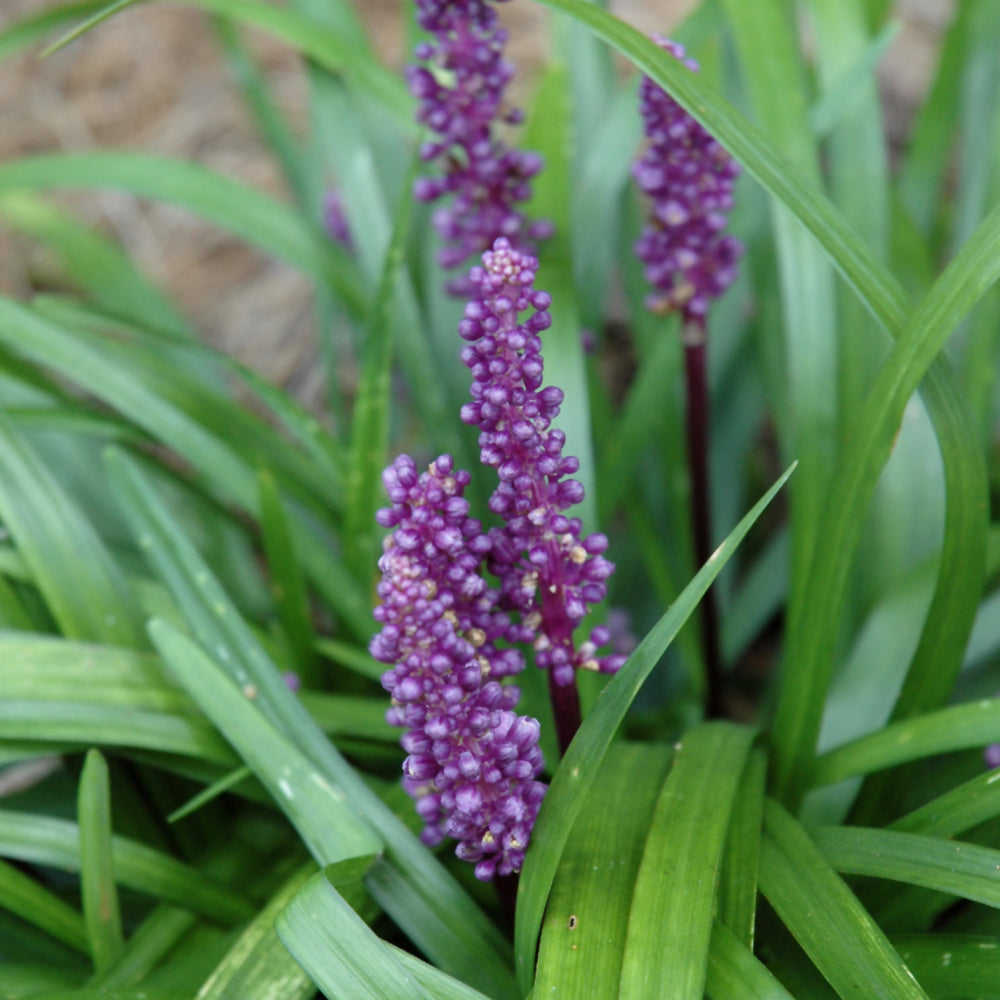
(689, 178)
(461, 95)
(546, 571)
(472, 760)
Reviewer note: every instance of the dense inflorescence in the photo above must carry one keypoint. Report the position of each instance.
(689, 179)
(461, 91)
(546, 571)
(472, 761)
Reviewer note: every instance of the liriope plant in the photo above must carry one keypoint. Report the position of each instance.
(214, 629)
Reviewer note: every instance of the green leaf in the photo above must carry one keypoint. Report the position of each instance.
(578, 768)
(81, 584)
(149, 944)
(737, 896)
(347, 960)
(961, 869)
(958, 810)
(22, 895)
(960, 727)
(244, 211)
(269, 120)
(884, 297)
(97, 878)
(928, 152)
(549, 131)
(325, 47)
(55, 842)
(370, 420)
(329, 826)
(31, 29)
(94, 264)
(288, 587)
(587, 917)
(953, 966)
(846, 945)
(772, 67)
(812, 624)
(258, 966)
(670, 925)
(735, 974)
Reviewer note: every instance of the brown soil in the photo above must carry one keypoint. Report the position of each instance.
(152, 79)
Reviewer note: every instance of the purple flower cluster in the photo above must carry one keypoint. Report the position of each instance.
(546, 571)
(689, 177)
(472, 760)
(461, 96)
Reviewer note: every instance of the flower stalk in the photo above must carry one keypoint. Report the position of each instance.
(689, 179)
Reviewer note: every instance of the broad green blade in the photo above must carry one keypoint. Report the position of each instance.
(244, 211)
(328, 824)
(258, 966)
(370, 419)
(813, 618)
(960, 869)
(94, 264)
(735, 974)
(670, 926)
(549, 131)
(737, 895)
(846, 945)
(154, 939)
(956, 811)
(929, 149)
(953, 966)
(578, 768)
(23, 981)
(82, 585)
(55, 842)
(636, 426)
(960, 727)
(347, 960)
(775, 78)
(22, 895)
(587, 918)
(97, 877)
(288, 585)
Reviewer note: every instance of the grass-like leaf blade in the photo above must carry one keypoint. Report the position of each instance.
(960, 869)
(579, 767)
(46, 841)
(586, 921)
(670, 925)
(347, 959)
(329, 826)
(846, 945)
(21, 894)
(101, 909)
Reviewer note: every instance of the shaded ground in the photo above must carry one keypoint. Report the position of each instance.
(152, 79)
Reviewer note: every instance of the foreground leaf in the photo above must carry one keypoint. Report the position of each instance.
(579, 767)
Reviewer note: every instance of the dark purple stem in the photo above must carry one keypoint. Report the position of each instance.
(698, 409)
(565, 700)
